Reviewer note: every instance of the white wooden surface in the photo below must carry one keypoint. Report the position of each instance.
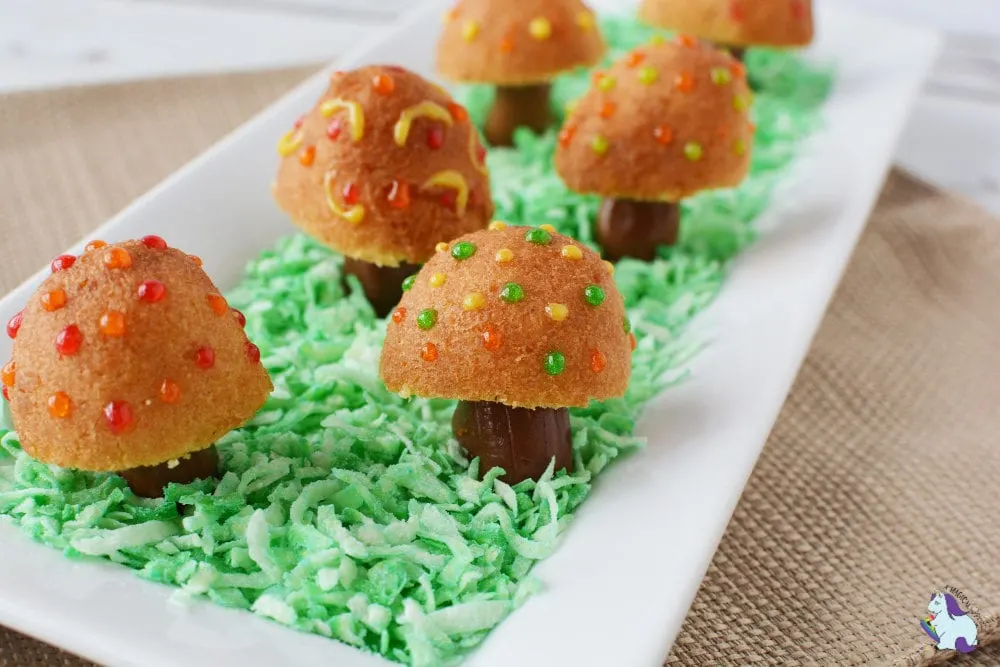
(953, 139)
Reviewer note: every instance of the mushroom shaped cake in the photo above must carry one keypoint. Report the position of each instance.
(668, 120)
(735, 24)
(519, 46)
(518, 324)
(128, 359)
(385, 165)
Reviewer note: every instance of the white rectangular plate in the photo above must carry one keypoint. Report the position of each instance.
(622, 581)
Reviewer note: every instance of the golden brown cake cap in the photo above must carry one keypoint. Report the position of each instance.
(128, 356)
(664, 122)
(742, 23)
(517, 42)
(385, 164)
(517, 315)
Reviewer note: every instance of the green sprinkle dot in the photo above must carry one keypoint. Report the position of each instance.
(555, 363)
(693, 151)
(599, 144)
(463, 250)
(408, 283)
(594, 295)
(538, 237)
(721, 76)
(427, 319)
(648, 75)
(512, 292)
(626, 325)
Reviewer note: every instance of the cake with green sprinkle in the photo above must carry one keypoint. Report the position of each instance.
(349, 512)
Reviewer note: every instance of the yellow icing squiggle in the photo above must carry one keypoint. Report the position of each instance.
(354, 214)
(431, 110)
(451, 179)
(289, 143)
(356, 115)
(474, 155)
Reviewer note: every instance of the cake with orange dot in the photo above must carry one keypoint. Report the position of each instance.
(519, 46)
(736, 24)
(518, 323)
(666, 121)
(385, 164)
(128, 359)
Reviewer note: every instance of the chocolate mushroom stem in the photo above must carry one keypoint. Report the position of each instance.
(518, 106)
(149, 481)
(737, 52)
(382, 285)
(631, 228)
(522, 441)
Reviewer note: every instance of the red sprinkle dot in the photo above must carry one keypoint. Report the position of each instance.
(334, 129)
(458, 112)
(69, 340)
(634, 59)
(351, 194)
(399, 315)
(664, 134)
(204, 358)
(738, 69)
(597, 361)
(449, 200)
(240, 317)
(298, 123)
(151, 291)
(63, 262)
(631, 341)
(5, 393)
(154, 242)
(687, 41)
(492, 340)
(481, 153)
(253, 352)
(608, 110)
(435, 137)
(119, 416)
(736, 10)
(429, 352)
(566, 135)
(399, 194)
(684, 82)
(798, 9)
(14, 325)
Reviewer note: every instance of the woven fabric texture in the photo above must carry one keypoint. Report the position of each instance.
(877, 486)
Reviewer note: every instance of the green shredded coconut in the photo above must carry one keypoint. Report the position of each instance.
(351, 513)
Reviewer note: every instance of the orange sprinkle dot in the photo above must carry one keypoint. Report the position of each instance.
(608, 110)
(196, 259)
(597, 361)
(7, 374)
(399, 194)
(753, 127)
(684, 82)
(112, 323)
(738, 69)
(566, 135)
(634, 59)
(687, 41)
(60, 406)
(383, 84)
(170, 392)
(631, 341)
(117, 258)
(429, 352)
(664, 134)
(506, 44)
(458, 112)
(95, 245)
(53, 300)
(399, 315)
(492, 340)
(308, 156)
(218, 304)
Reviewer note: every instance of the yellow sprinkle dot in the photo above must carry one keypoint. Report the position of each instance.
(599, 145)
(657, 40)
(606, 83)
(547, 227)
(648, 75)
(557, 311)
(474, 301)
(540, 28)
(470, 30)
(740, 147)
(497, 226)
(437, 280)
(571, 106)
(610, 267)
(740, 103)
(585, 20)
(504, 255)
(442, 247)
(571, 252)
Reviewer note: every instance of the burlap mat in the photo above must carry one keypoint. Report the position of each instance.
(878, 485)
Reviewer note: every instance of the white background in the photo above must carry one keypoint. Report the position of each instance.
(953, 139)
